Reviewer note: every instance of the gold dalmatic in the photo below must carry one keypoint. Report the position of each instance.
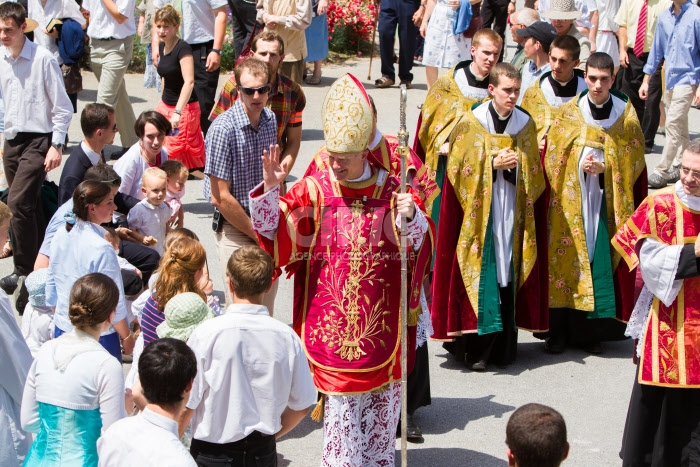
(470, 171)
(570, 278)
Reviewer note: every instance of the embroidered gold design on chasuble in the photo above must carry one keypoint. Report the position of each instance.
(341, 327)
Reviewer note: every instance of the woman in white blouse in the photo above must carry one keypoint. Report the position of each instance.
(75, 388)
(149, 151)
(80, 249)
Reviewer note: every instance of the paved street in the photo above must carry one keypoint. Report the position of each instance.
(465, 425)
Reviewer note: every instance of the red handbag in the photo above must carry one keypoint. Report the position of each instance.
(247, 50)
(475, 24)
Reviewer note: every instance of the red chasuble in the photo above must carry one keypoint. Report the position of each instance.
(340, 241)
(671, 346)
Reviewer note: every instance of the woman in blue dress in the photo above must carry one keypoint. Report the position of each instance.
(75, 388)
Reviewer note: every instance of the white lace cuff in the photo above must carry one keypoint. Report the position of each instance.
(424, 328)
(265, 210)
(635, 326)
(415, 229)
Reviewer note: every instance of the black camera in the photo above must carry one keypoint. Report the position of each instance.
(217, 223)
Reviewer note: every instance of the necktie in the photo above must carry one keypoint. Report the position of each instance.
(641, 30)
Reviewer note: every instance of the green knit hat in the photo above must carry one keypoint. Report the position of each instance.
(183, 313)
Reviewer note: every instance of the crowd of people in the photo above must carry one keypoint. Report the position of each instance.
(526, 208)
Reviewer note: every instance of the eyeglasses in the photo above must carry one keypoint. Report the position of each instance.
(251, 91)
(693, 173)
(114, 128)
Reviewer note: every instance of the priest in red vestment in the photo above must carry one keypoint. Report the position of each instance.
(662, 240)
(337, 231)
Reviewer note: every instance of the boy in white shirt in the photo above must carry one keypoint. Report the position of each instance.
(37, 321)
(148, 220)
(152, 438)
(253, 381)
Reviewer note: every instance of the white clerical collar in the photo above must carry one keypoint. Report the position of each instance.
(375, 142)
(477, 76)
(593, 104)
(693, 202)
(366, 174)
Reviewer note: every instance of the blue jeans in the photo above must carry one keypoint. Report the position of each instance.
(109, 342)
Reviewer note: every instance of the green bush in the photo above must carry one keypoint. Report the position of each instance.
(344, 40)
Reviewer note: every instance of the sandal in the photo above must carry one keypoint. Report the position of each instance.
(6, 251)
(384, 82)
(313, 80)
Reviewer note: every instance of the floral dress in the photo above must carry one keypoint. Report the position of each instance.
(443, 49)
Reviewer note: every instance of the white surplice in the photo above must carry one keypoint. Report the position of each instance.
(553, 99)
(591, 193)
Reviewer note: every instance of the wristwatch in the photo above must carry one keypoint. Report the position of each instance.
(179, 112)
(216, 51)
(423, 5)
(58, 146)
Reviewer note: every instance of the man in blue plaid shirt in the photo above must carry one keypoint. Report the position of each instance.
(234, 147)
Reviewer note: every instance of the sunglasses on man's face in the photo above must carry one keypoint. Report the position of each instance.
(251, 91)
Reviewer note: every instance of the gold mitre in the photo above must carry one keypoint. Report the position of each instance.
(346, 116)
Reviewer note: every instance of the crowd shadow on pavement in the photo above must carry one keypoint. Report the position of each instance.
(446, 414)
(450, 457)
(531, 356)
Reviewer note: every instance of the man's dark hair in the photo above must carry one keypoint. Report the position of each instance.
(567, 43)
(156, 119)
(15, 11)
(95, 117)
(536, 436)
(103, 173)
(600, 61)
(166, 367)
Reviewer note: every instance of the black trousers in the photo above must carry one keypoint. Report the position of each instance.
(494, 15)
(648, 111)
(24, 159)
(393, 14)
(255, 450)
(662, 426)
(205, 82)
(243, 14)
(418, 381)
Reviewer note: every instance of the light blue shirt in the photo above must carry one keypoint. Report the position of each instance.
(74, 254)
(677, 39)
(531, 74)
(55, 223)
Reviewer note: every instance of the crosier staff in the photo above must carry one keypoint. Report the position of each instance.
(402, 150)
